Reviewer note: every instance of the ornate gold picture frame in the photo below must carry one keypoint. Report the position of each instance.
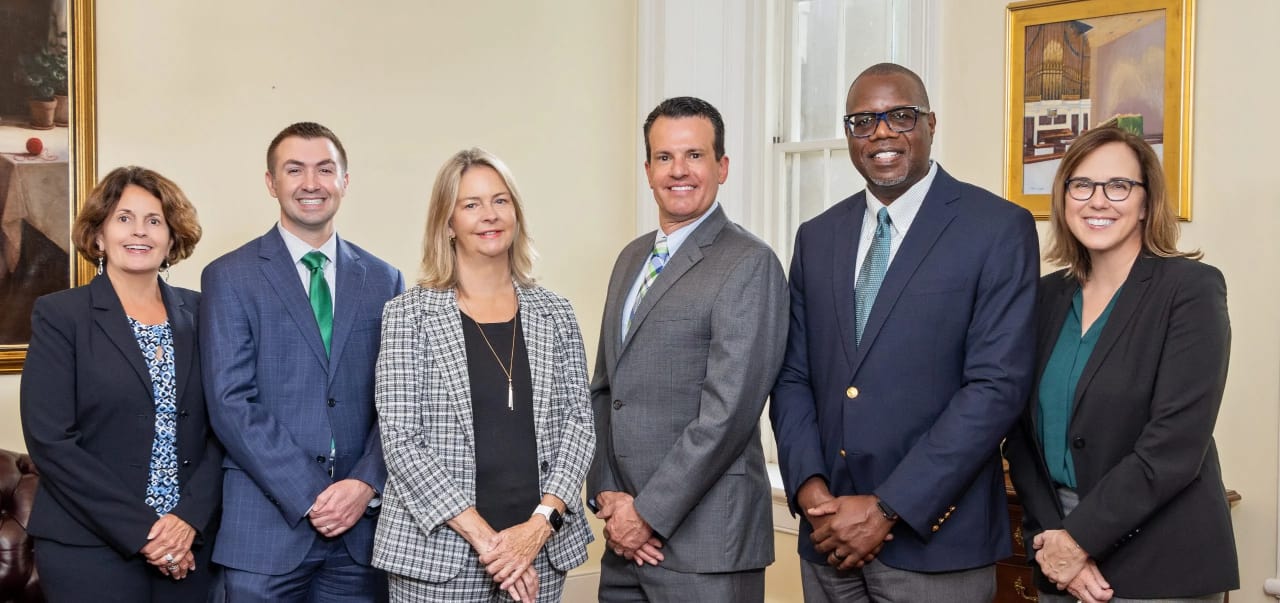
(47, 165)
(1076, 64)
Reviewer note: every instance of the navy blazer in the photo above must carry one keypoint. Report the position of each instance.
(277, 400)
(88, 416)
(915, 414)
(1153, 511)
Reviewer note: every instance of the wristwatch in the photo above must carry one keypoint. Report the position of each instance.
(553, 516)
(886, 511)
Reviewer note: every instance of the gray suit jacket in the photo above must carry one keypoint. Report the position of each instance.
(423, 395)
(677, 402)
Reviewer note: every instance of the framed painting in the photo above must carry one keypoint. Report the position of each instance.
(47, 156)
(1078, 64)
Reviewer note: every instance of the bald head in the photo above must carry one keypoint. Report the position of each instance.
(918, 92)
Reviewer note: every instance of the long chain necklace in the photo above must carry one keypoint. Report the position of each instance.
(508, 368)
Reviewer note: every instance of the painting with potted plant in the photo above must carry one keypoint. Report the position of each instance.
(34, 161)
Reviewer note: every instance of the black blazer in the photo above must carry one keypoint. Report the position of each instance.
(89, 420)
(1153, 511)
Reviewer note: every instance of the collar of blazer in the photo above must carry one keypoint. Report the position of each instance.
(680, 262)
(936, 213)
(109, 316)
(440, 322)
(279, 268)
(1057, 302)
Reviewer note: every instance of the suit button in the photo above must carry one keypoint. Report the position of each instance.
(1078, 443)
(183, 414)
(320, 459)
(851, 393)
(186, 463)
(332, 402)
(546, 466)
(617, 404)
(842, 453)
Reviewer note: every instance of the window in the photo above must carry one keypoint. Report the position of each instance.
(823, 45)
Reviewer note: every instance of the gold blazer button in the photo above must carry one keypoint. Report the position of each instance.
(852, 392)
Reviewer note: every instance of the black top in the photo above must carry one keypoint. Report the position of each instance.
(507, 487)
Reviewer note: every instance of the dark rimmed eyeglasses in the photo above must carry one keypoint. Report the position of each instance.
(899, 119)
(1115, 189)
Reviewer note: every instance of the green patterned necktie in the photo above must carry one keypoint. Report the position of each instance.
(321, 300)
(652, 268)
(873, 269)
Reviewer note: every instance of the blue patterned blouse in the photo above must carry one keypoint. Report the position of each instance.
(156, 342)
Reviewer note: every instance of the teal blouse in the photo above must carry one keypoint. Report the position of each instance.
(1058, 387)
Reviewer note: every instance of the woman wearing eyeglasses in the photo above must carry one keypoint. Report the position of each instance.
(1114, 459)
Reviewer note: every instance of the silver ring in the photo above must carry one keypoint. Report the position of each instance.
(173, 567)
(168, 557)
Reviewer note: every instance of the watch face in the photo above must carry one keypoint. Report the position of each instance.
(556, 519)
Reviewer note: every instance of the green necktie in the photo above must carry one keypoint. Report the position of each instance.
(321, 300)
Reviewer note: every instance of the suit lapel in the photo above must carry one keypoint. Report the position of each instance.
(1052, 312)
(539, 333)
(109, 315)
(278, 268)
(936, 213)
(184, 334)
(844, 243)
(350, 283)
(684, 259)
(447, 344)
(629, 263)
(1131, 294)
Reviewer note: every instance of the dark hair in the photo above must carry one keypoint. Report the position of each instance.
(307, 130)
(179, 213)
(686, 106)
(1159, 229)
(882, 69)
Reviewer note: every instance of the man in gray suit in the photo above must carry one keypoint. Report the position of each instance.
(692, 337)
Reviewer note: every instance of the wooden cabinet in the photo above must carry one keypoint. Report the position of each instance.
(1013, 575)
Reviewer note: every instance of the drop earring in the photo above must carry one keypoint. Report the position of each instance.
(164, 270)
(102, 261)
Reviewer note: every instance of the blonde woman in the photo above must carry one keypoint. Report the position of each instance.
(482, 404)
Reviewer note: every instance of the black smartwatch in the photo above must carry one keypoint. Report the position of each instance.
(553, 516)
(886, 511)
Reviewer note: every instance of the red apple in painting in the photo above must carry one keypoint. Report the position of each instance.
(35, 146)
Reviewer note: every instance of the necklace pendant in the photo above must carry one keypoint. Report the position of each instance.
(510, 398)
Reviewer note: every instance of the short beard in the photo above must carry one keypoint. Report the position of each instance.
(889, 183)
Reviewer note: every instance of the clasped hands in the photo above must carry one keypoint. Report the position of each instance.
(168, 546)
(340, 506)
(508, 555)
(1069, 567)
(625, 532)
(849, 530)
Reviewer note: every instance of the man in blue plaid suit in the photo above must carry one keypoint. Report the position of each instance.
(290, 388)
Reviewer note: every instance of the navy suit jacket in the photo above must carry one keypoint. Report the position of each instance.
(277, 400)
(88, 415)
(915, 414)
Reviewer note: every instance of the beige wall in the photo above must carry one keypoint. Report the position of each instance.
(1236, 211)
(548, 86)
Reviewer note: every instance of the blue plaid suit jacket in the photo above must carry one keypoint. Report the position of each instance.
(277, 401)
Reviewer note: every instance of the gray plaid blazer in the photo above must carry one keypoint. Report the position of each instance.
(423, 396)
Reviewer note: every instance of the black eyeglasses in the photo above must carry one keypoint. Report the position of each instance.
(1115, 189)
(899, 119)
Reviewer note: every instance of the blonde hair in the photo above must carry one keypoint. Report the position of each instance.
(1160, 228)
(439, 259)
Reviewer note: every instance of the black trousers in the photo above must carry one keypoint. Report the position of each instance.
(74, 574)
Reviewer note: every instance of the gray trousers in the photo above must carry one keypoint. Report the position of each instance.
(622, 581)
(878, 583)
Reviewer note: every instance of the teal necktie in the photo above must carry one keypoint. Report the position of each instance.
(652, 268)
(873, 269)
(321, 300)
